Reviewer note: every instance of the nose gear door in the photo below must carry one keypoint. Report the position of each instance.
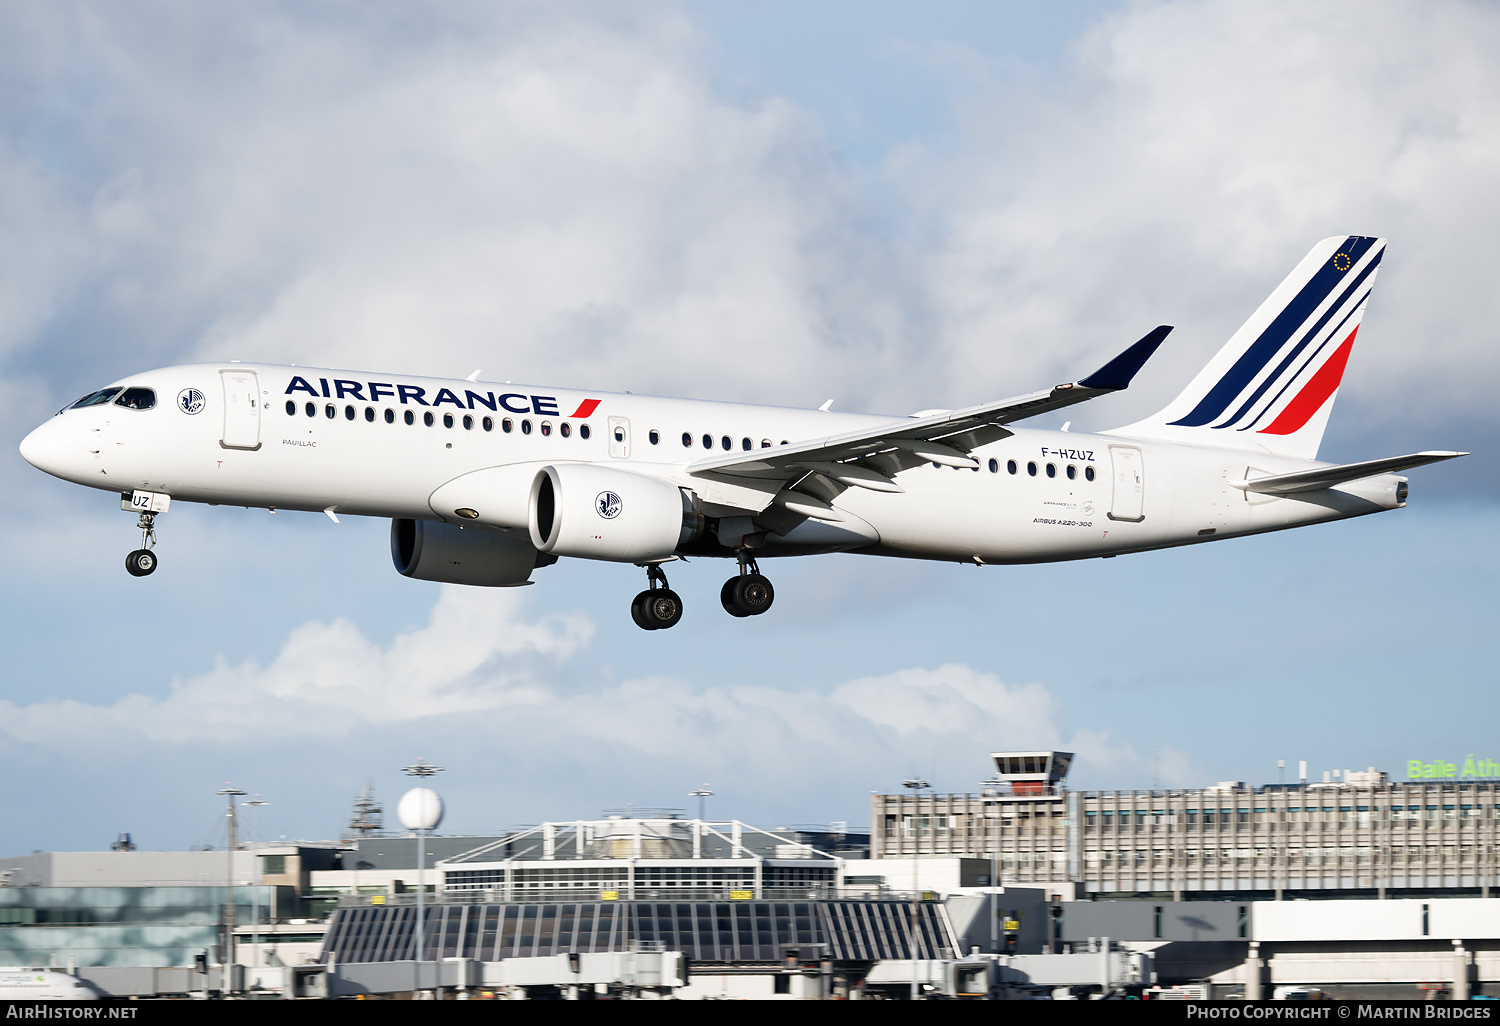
(241, 410)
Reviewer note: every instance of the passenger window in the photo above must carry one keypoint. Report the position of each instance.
(727, 443)
(546, 428)
(407, 416)
(566, 429)
(1072, 472)
(765, 443)
(370, 414)
(1031, 469)
(525, 427)
(468, 423)
(1088, 473)
(427, 418)
(583, 431)
(654, 436)
(390, 415)
(506, 425)
(708, 441)
(348, 413)
(746, 444)
(489, 423)
(1010, 466)
(994, 466)
(687, 440)
(291, 408)
(1051, 470)
(330, 412)
(447, 420)
(104, 395)
(619, 434)
(312, 410)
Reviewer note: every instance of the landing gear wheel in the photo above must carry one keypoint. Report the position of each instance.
(751, 594)
(140, 562)
(726, 597)
(638, 611)
(143, 561)
(657, 609)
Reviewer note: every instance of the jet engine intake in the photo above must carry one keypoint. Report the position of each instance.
(593, 512)
(429, 551)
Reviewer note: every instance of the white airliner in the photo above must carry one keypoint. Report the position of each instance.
(485, 483)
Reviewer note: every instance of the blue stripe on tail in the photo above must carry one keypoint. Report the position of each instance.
(1292, 316)
(1311, 334)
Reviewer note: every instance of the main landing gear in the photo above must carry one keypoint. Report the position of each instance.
(143, 560)
(748, 594)
(656, 608)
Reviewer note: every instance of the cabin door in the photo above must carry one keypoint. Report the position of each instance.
(1129, 479)
(241, 409)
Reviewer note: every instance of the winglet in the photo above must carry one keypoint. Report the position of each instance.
(1116, 374)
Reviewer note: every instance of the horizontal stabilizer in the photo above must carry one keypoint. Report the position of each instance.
(1327, 477)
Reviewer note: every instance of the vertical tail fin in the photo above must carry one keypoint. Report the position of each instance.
(1272, 386)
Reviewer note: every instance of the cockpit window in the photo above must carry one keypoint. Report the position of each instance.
(104, 395)
(137, 399)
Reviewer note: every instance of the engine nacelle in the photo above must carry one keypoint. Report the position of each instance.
(428, 551)
(594, 512)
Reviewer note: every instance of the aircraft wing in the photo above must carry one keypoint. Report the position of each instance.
(869, 458)
(1327, 477)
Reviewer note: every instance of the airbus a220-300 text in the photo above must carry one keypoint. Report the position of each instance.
(485, 484)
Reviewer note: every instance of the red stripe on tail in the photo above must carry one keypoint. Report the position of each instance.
(1314, 394)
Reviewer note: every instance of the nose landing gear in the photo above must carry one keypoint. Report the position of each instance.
(142, 561)
(656, 608)
(749, 594)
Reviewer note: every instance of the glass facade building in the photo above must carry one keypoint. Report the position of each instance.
(116, 926)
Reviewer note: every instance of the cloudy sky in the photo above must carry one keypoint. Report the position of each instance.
(899, 206)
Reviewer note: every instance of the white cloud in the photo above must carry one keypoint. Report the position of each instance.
(1193, 154)
(563, 193)
(549, 193)
(474, 655)
(480, 666)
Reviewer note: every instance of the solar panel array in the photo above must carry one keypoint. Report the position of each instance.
(736, 931)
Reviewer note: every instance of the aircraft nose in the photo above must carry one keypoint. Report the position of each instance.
(51, 448)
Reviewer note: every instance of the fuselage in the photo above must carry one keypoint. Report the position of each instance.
(382, 445)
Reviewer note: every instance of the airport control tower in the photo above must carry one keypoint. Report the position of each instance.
(1032, 773)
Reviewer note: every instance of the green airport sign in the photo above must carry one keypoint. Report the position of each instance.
(1438, 769)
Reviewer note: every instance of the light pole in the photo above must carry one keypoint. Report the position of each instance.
(255, 803)
(421, 810)
(230, 792)
(701, 793)
(915, 785)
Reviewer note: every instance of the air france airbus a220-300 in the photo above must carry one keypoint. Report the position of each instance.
(484, 485)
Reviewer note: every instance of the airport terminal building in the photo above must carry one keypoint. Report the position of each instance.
(1023, 888)
(1359, 836)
